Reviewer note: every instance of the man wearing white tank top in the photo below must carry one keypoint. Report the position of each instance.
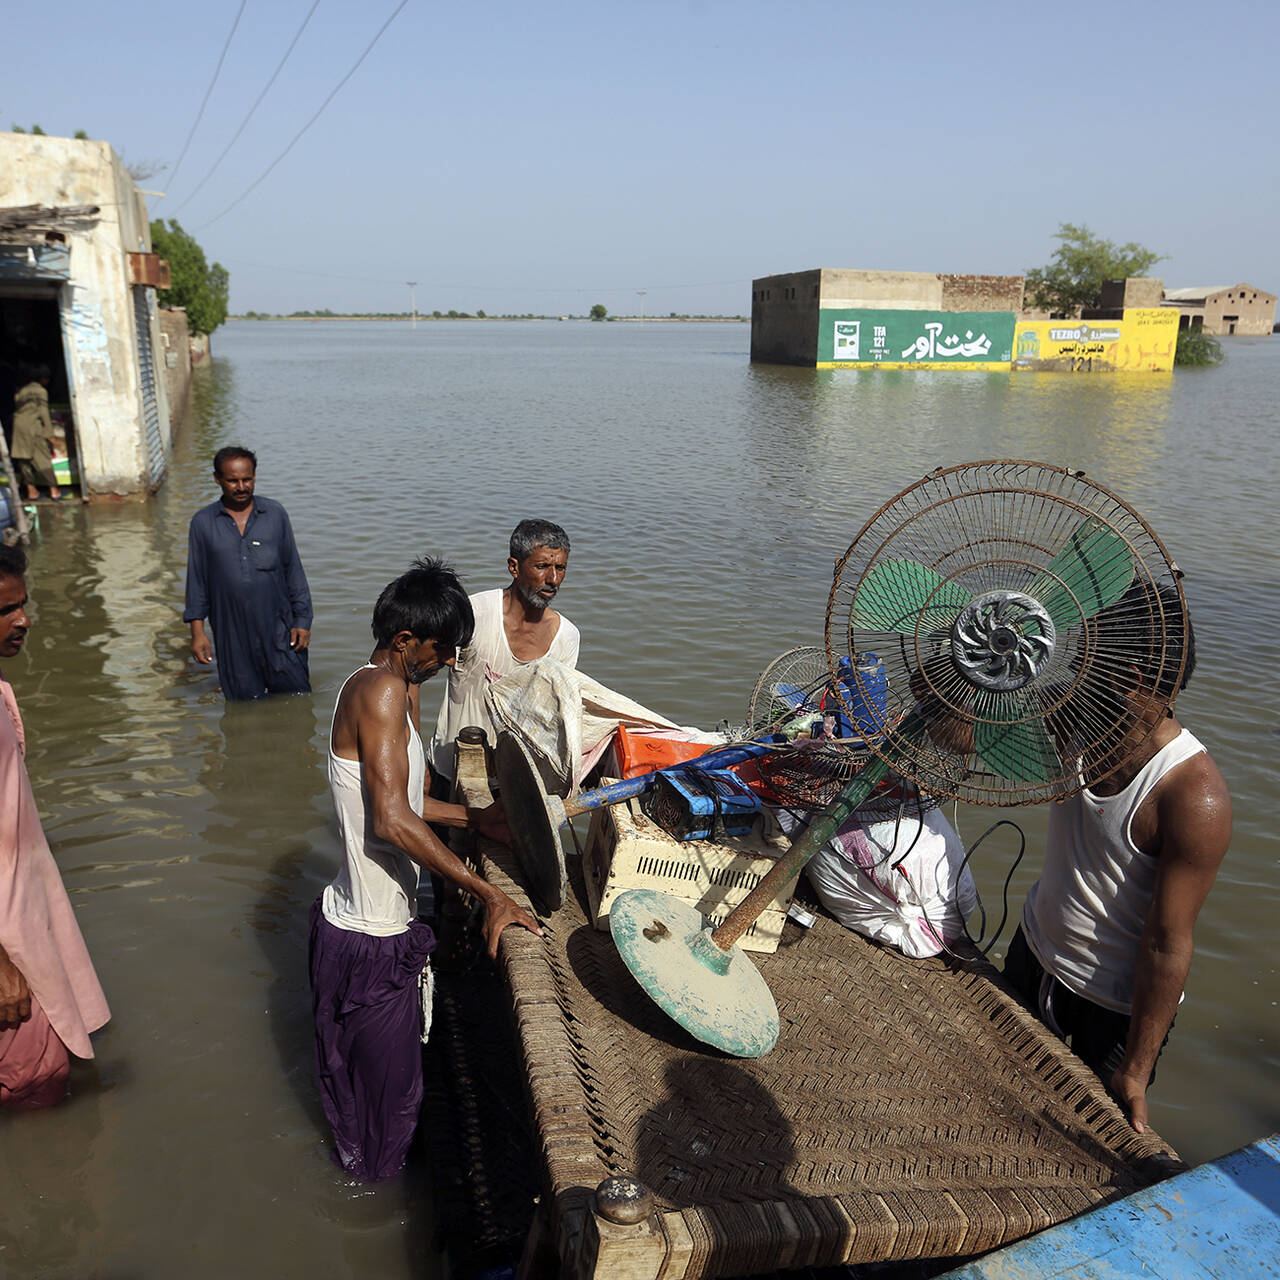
(367, 948)
(514, 626)
(1105, 942)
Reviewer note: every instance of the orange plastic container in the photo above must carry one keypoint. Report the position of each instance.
(640, 753)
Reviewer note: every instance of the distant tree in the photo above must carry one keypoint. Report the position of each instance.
(17, 128)
(599, 311)
(436, 315)
(1073, 277)
(81, 135)
(202, 289)
(480, 315)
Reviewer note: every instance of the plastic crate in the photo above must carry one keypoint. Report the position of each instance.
(624, 850)
(701, 804)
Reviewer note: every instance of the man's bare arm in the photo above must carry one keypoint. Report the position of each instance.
(201, 648)
(1194, 824)
(381, 730)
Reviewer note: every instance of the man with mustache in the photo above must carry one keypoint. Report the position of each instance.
(513, 627)
(367, 946)
(244, 575)
(50, 999)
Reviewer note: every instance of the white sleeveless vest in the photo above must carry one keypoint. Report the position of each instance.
(1084, 917)
(376, 888)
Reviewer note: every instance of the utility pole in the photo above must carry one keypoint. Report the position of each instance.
(641, 293)
(413, 301)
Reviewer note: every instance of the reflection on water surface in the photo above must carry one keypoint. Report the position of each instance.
(707, 500)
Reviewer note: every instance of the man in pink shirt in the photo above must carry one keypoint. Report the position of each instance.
(50, 999)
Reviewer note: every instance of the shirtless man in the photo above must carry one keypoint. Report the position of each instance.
(1105, 943)
(513, 627)
(367, 949)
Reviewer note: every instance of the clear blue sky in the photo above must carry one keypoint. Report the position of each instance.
(521, 157)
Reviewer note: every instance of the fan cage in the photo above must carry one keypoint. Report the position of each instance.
(997, 531)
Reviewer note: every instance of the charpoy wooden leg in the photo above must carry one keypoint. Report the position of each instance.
(623, 1239)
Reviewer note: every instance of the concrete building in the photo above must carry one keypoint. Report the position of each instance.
(175, 337)
(1228, 309)
(78, 293)
(792, 314)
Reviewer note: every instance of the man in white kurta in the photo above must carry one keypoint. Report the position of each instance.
(513, 627)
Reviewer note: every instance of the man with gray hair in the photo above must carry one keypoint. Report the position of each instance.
(513, 627)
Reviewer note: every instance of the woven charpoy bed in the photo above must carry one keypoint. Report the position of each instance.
(911, 1109)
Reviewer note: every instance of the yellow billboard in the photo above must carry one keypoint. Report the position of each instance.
(1144, 341)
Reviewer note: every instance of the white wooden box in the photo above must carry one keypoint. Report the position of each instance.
(624, 850)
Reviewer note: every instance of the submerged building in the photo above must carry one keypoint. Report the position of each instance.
(842, 319)
(78, 294)
(834, 316)
(1225, 309)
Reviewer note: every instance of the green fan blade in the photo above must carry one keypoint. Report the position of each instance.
(903, 596)
(1088, 575)
(1012, 747)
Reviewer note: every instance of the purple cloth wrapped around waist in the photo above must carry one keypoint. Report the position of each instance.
(364, 994)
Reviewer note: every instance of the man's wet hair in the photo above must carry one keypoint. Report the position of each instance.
(13, 562)
(430, 602)
(227, 452)
(1150, 628)
(529, 534)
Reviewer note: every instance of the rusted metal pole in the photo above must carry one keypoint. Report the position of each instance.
(819, 831)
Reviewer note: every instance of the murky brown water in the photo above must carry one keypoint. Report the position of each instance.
(707, 501)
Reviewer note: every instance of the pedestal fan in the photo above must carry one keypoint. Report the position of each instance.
(1026, 617)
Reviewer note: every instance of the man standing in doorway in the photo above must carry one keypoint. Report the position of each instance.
(513, 627)
(245, 577)
(50, 999)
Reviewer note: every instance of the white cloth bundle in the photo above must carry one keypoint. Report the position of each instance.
(566, 718)
(915, 903)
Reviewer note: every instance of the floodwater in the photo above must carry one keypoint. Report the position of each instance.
(707, 501)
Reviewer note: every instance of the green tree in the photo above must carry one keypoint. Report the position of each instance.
(1073, 277)
(1195, 347)
(203, 289)
(598, 312)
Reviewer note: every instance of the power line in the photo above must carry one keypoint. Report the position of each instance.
(310, 122)
(258, 102)
(216, 72)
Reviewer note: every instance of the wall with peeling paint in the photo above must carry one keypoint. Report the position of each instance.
(99, 309)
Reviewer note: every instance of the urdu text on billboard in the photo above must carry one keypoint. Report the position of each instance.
(916, 339)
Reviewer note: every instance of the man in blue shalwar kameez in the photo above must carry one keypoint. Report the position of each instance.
(244, 575)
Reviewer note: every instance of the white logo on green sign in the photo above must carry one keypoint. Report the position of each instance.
(848, 340)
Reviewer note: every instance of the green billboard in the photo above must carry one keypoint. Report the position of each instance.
(916, 339)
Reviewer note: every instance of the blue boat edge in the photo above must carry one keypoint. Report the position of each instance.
(1218, 1221)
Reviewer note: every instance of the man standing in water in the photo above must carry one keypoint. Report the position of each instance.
(513, 627)
(50, 999)
(367, 949)
(1105, 942)
(244, 575)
